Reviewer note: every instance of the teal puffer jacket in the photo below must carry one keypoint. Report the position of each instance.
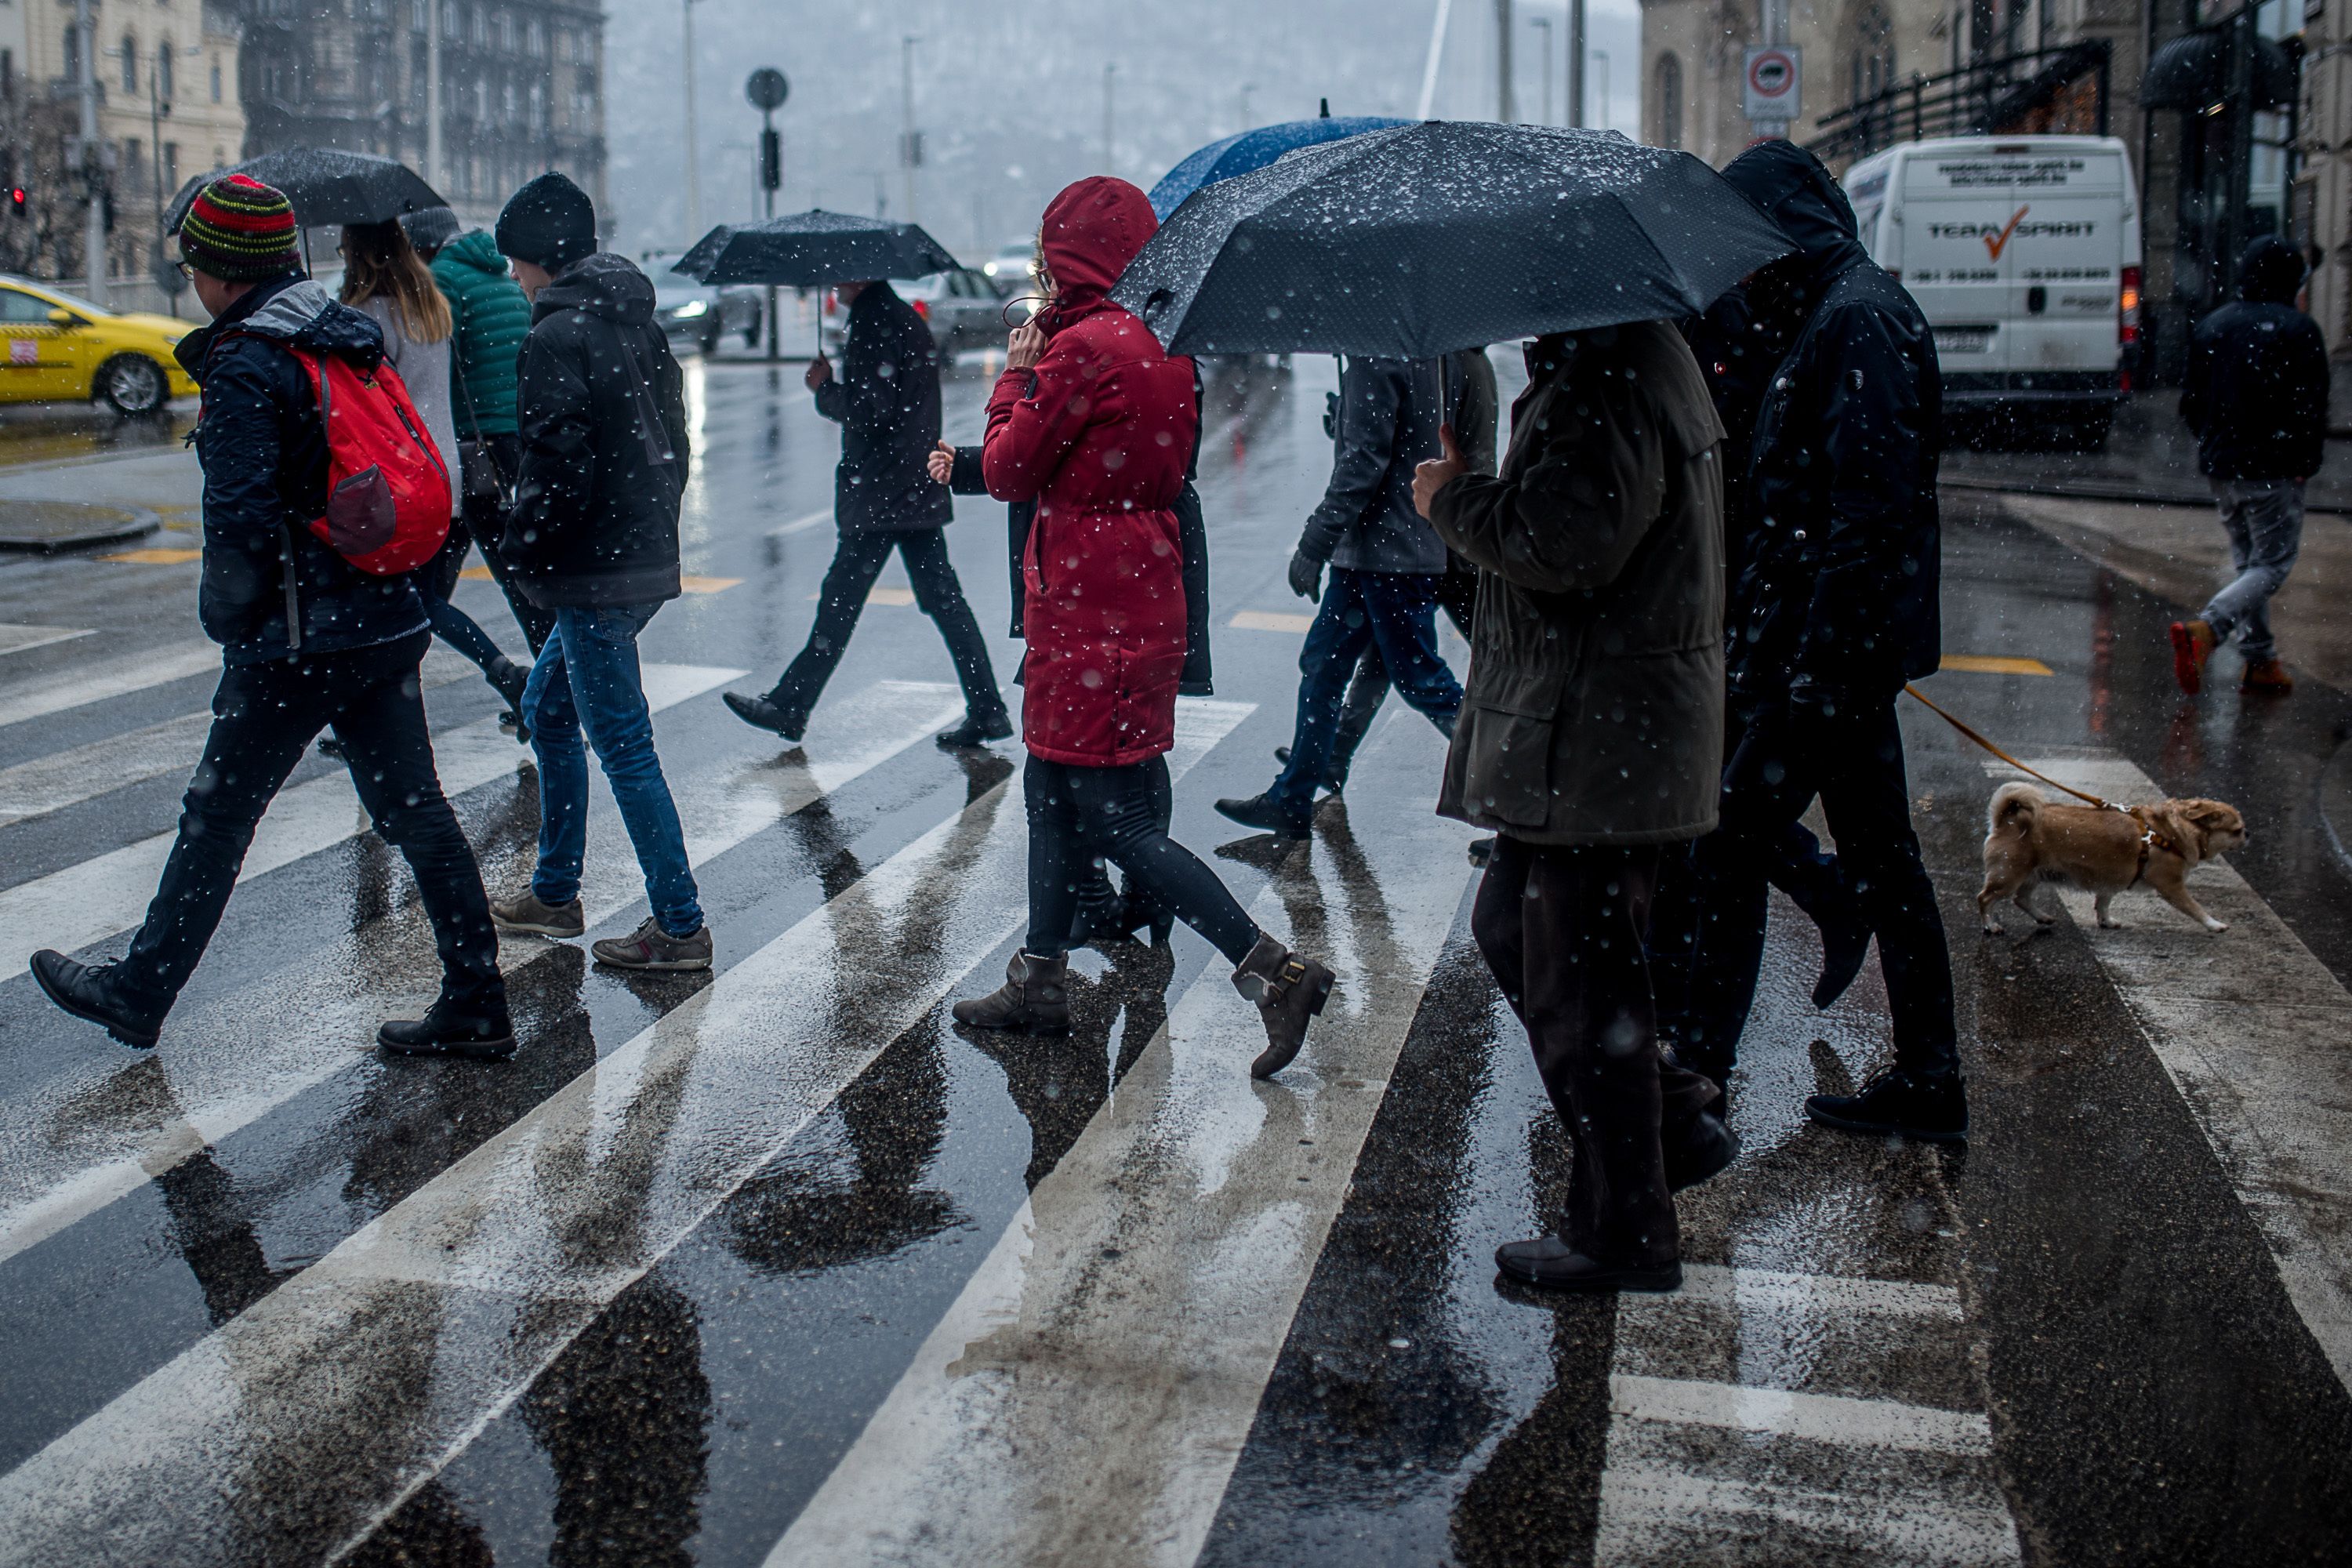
(492, 319)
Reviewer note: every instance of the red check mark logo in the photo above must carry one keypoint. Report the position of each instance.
(1996, 242)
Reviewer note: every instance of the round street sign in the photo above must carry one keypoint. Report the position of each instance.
(1771, 89)
(767, 90)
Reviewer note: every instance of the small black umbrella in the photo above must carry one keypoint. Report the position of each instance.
(1421, 240)
(326, 185)
(801, 249)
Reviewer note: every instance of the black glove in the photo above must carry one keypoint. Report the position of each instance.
(1306, 576)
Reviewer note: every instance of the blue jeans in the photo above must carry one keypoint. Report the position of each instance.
(2264, 520)
(1392, 611)
(587, 676)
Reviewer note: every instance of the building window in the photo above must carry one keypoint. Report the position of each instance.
(171, 165)
(1669, 93)
(130, 64)
(534, 36)
(506, 31)
(1870, 65)
(217, 85)
(73, 52)
(163, 82)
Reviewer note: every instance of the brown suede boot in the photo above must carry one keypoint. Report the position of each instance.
(2266, 676)
(1289, 991)
(1033, 999)
(2193, 643)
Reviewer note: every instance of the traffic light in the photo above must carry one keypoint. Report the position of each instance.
(771, 159)
(18, 204)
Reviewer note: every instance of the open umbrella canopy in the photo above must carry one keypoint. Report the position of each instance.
(326, 185)
(1444, 235)
(813, 247)
(1254, 149)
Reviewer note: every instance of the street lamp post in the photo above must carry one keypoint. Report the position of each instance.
(1506, 110)
(1576, 62)
(1545, 23)
(1600, 56)
(693, 154)
(93, 236)
(911, 140)
(434, 173)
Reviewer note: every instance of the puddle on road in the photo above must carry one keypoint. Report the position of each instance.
(53, 432)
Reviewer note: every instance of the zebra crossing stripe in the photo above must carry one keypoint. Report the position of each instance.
(58, 691)
(335, 1397)
(221, 1087)
(83, 903)
(1087, 1396)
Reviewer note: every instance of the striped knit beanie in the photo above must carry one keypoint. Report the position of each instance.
(240, 231)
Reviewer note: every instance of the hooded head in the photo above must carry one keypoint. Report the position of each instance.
(1792, 187)
(1090, 232)
(2269, 272)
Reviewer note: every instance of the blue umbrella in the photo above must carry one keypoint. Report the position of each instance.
(1254, 150)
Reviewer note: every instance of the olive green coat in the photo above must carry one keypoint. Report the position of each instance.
(1593, 711)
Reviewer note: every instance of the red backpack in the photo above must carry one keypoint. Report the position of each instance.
(388, 491)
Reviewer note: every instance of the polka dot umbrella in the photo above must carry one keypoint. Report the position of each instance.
(1442, 236)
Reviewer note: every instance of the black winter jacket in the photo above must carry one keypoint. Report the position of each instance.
(1837, 596)
(887, 402)
(604, 452)
(2256, 388)
(1387, 425)
(264, 460)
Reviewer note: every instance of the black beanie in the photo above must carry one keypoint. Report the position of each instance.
(549, 222)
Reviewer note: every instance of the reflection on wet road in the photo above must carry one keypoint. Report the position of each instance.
(777, 1264)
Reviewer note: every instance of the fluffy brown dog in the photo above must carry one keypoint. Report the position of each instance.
(2027, 841)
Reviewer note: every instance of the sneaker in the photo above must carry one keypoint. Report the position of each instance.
(527, 913)
(1553, 1263)
(2193, 644)
(1896, 1102)
(2267, 676)
(448, 1031)
(650, 947)
(977, 730)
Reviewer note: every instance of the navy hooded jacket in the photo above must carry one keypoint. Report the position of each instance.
(264, 453)
(1837, 596)
(2256, 387)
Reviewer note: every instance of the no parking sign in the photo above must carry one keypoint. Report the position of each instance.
(1768, 90)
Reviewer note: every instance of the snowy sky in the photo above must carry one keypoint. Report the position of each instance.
(1010, 95)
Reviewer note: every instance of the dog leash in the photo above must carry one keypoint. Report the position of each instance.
(2150, 838)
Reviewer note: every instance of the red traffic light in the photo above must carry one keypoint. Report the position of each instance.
(17, 200)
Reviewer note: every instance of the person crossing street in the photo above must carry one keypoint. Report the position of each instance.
(592, 538)
(887, 402)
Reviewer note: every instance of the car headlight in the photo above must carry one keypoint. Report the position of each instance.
(692, 309)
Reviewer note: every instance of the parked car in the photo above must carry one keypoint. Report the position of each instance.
(2024, 254)
(963, 311)
(59, 347)
(1014, 269)
(703, 315)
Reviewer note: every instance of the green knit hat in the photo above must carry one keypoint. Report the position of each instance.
(241, 231)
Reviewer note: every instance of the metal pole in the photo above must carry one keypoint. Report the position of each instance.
(693, 154)
(1435, 57)
(1545, 23)
(1576, 62)
(93, 238)
(767, 210)
(434, 174)
(1506, 110)
(907, 151)
(1110, 72)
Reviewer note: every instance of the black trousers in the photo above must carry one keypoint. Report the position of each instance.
(1778, 762)
(1457, 595)
(858, 561)
(485, 521)
(1121, 815)
(264, 717)
(1562, 926)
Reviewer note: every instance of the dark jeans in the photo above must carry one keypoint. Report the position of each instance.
(1853, 760)
(1700, 1004)
(857, 560)
(1561, 927)
(1457, 595)
(1119, 815)
(1394, 612)
(264, 717)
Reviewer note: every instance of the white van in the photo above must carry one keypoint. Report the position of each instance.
(2024, 253)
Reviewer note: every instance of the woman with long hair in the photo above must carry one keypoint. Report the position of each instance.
(384, 278)
(1094, 422)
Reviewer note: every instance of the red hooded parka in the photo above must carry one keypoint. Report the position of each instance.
(1097, 434)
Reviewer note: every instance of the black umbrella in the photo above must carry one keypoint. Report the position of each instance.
(1442, 235)
(813, 247)
(326, 185)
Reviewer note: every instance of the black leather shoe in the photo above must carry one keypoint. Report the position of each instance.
(977, 730)
(1845, 944)
(1260, 812)
(1553, 1263)
(1899, 1103)
(1482, 851)
(447, 1031)
(763, 713)
(1700, 1151)
(90, 994)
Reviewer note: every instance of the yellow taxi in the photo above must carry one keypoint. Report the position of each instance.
(55, 347)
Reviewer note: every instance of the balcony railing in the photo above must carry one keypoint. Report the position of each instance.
(2064, 89)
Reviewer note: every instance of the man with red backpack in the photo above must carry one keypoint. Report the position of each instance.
(319, 623)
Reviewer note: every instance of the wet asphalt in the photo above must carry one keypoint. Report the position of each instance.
(2069, 1341)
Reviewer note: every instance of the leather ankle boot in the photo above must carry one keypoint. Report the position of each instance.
(1033, 999)
(1289, 990)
